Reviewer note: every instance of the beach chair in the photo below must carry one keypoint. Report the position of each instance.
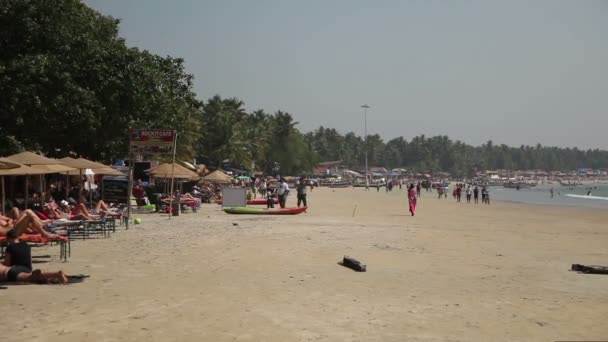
(65, 248)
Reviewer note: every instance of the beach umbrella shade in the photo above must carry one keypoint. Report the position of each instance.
(7, 165)
(106, 171)
(167, 169)
(11, 168)
(81, 165)
(217, 177)
(42, 164)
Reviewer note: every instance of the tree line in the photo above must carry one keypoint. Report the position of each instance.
(69, 84)
(440, 153)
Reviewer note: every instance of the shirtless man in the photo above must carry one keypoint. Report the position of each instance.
(26, 223)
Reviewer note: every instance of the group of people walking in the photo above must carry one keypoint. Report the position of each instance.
(281, 191)
(471, 193)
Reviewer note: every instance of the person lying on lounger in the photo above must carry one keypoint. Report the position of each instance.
(78, 211)
(17, 266)
(104, 210)
(27, 222)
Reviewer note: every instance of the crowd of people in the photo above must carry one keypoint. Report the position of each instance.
(472, 193)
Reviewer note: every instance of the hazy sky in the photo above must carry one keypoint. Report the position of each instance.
(516, 72)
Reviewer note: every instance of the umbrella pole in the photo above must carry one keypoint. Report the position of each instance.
(129, 190)
(3, 203)
(172, 171)
(90, 194)
(27, 179)
(41, 190)
(79, 187)
(67, 185)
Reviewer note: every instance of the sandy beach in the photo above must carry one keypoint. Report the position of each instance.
(455, 272)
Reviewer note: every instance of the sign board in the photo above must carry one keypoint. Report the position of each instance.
(152, 141)
(234, 197)
(115, 189)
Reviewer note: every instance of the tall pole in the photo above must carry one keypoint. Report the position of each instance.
(130, 187)
(172, 178)
(365, 107)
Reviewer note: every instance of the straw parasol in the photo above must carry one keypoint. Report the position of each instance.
(217, 177)
(40, 163)
(10, 168)
(81, 163)
(7, 165)
(165, 170)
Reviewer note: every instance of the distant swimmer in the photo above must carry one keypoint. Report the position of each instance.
(589, 193)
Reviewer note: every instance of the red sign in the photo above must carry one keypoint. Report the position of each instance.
(152, 141)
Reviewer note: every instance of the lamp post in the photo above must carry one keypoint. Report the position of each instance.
(365, 107)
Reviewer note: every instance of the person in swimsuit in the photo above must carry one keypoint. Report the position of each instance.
(17, 266)
(78, 211)
(28, 222)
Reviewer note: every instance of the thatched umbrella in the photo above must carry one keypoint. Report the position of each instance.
(10, 168)
(168, 169)
(217, 177)
(81, 164)
(40, 163)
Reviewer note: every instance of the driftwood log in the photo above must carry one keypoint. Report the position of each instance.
(593, 269)
(353, 264)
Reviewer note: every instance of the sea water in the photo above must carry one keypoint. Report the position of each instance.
(575, 196)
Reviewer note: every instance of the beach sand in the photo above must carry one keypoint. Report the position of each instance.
(454, 272)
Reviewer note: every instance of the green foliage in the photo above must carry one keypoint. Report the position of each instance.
(68, 83)
(231, 134)
(439, 153)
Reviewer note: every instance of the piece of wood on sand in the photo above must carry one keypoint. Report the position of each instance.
(353, 264)
(593, 269)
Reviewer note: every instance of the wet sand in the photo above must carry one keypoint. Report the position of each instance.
(455, 272)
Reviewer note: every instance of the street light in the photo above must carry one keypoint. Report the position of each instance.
(365, 107)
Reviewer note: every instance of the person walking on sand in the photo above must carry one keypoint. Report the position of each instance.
(469, 192)
(282, 192)
(412, 198)
(476, 195)
(418, 189)
(301, 191)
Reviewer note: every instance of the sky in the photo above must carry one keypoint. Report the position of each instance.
(516, 72)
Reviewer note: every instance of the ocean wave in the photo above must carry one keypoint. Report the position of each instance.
(587, 197)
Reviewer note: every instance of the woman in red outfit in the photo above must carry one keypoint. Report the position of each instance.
(412, 198)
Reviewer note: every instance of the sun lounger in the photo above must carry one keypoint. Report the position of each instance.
(65, 248)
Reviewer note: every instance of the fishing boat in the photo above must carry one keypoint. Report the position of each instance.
(264, 211)
(339, 185)
(257, 201)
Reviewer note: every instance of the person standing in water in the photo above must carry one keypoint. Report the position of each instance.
(412, 198)
(551, 191)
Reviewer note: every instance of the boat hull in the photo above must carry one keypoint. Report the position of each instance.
(264, 211)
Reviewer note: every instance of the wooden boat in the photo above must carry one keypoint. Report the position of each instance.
(340, 185)
(257, 201)
(264, 211)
